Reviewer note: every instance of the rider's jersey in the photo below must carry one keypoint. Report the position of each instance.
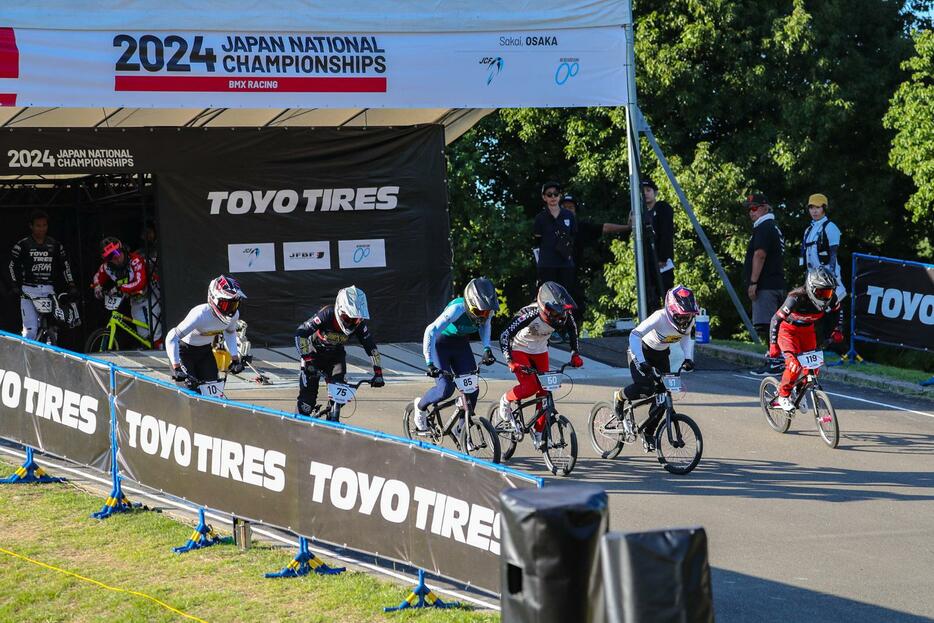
(321, 334)
(528, 333)
(131, 279)
(799, 311)
(453, 321)
(35, 264)
(657, 332)
(199, 328)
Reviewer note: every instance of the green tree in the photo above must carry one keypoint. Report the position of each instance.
(786, 97)
(912, 117)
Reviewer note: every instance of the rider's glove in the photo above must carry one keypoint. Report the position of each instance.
(646, 368)
(433, 371)
(576, 361)
(488, 358)
(98, 292)
(178, 374)
(688, 365)
(377, 380)
(236, 366)
(192, 383)
(774, 351)
(515, 368)
(836, 336)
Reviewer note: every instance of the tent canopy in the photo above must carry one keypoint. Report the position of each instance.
(131, 63)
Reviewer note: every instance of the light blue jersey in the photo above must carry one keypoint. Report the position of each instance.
(453, 321)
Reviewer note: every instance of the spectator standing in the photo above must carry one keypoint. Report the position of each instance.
(763, 271)
(821, 242)
(554, 231)
(588, 234)
(660, 223)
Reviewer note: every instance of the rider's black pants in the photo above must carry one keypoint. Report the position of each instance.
(333, 364)
(199, 361)
(643, 385)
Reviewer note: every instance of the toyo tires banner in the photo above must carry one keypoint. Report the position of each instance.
(893, 301)
(317, 69)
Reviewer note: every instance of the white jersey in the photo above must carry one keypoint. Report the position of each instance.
(657, 333)
(198, 329)
(528, 333)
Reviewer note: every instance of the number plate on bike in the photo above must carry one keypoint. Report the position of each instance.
(812, 359)
(112, 301)
(672, 382)
(214, 389)
(340, 393)
(550, 382)
(467, 383)
(43, 305)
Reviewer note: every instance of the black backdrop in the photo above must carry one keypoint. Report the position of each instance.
(391, 181)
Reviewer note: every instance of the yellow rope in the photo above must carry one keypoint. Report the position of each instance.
(102, 585)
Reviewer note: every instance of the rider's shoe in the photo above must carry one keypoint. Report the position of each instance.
(648, 443)
(421, 418)
(619, 402)
(457, 428)
(783, 403)
(536, 440)
(506, 414)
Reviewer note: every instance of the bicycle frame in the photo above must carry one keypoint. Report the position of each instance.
(660, 390)
(119, 320)
(438, 407)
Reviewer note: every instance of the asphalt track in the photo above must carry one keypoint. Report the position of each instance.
(797, 531)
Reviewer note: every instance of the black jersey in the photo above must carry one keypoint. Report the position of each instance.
(35, 264)
(321, 333)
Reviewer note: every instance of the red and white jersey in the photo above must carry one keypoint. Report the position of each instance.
(199, 328)
(131, 281)
(657, 333)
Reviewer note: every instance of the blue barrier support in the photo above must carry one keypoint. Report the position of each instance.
(203, 536)
(304, 563)
(116, 502)
(29, 472)
(421, 597)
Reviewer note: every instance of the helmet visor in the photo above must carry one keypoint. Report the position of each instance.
(482, 314)
(228, 307)
(112, 251)
(823, 294)
(682, 321)
(349, 323)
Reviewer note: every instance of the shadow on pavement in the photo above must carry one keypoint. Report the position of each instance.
(741, 597)
(746, 478)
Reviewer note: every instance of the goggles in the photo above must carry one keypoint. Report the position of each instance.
(228, 306)
(350, 323)
(112, 251)
(480, 313)
(823, 294)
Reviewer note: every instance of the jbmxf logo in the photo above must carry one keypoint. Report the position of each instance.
(251, 258)
(362, 253)
(494, 67)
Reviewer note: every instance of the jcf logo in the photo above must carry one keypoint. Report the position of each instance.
(253, 253)
(494, 67)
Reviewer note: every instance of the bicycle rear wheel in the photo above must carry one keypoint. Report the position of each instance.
(505, 432)
(826, 418)
(777, 418)
(99, 342)
(480, 440)
(681, 453)
(606, 431)
(559, 443)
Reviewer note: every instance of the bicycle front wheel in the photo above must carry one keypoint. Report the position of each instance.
(826, 418)
(99, 342)
(606, 431)
(480, 440)
(505, 432)
(559, 446)
(777, 418)
(680, 453)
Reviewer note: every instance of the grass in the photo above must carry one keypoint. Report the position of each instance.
(875, 369)
(51, 524)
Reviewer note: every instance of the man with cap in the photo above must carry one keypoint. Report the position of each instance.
(588, 233)
(554, 231)
(821, 241)
(763, 270)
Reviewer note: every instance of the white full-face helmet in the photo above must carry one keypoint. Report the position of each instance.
(350, 309)
(224, 296)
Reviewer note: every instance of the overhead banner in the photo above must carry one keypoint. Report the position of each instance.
(314, 69)
(894, 301)
(294, 214)
(375, 494)
(55, 402)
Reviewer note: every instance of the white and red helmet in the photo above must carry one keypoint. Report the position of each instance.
(224, 295)
(681, 307)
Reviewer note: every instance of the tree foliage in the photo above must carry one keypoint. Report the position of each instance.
(785, 97)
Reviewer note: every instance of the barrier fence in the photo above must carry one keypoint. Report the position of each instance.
(394, 498)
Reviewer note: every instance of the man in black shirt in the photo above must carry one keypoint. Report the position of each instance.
(661, 219)
(554, 231)
(36, 262)
(588, 234)
(763, 270)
